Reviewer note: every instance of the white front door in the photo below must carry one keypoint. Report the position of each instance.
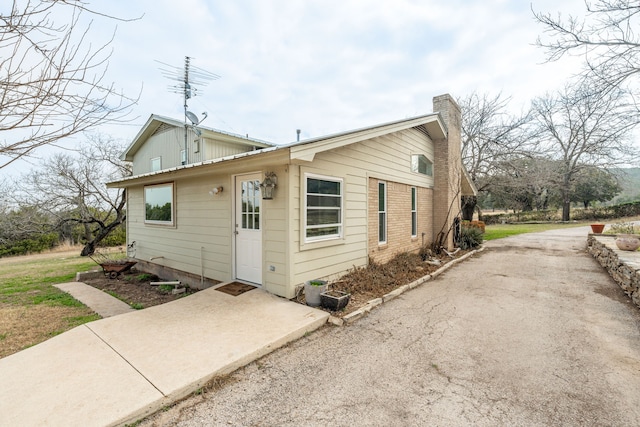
(248, 229)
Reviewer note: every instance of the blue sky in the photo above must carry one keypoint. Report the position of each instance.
(325, 66)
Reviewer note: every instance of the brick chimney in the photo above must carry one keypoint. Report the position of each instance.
(447, 170)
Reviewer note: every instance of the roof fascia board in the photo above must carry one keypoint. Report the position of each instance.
(306, 151)
(230, 164)
(142, 135)
(220, 136)
(436, 128)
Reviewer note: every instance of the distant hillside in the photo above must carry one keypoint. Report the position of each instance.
(629, 179)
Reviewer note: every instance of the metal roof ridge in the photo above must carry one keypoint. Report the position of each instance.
(362, 129)
(173, 121)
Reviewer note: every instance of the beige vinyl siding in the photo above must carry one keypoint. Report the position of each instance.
(203, 227)
(205, 221)
(214, 149)
(166, 144)
(275, 228)
(387, 158)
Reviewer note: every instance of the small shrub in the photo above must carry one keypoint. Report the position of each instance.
(470, 237)
(317, 282)
(425, 253)
(621, 228)
(474, 224)
(526, 216)
(37, 243)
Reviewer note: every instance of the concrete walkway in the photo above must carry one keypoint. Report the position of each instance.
(100, 302)
(116, 370)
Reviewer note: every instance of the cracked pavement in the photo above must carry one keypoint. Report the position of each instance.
(532, 331)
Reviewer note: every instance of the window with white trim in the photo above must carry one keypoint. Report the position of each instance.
(382, 212)
(414, 211)
(323, 207)
(156, 164)
(420, 164)
(158, 204)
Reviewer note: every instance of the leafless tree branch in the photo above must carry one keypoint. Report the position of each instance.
(607, 38)
(52, 77)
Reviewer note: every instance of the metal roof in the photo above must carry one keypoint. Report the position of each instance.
(305, 150)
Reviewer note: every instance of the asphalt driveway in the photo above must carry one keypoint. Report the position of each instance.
(530, 332)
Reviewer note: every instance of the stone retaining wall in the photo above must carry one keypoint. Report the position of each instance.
(623, 266)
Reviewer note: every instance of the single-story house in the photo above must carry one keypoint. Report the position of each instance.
(205, 205)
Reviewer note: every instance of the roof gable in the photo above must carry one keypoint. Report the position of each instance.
(156, 123)
(431, 124)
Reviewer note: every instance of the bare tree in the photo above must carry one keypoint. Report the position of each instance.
(525, 183)
(72, 189)
(584, 126)
(52, 76)
(607, 37)
(490, 136)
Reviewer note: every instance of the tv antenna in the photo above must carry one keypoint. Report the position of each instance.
(187, 78)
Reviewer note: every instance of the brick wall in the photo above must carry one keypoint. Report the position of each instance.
(399, 237)
(447, 168)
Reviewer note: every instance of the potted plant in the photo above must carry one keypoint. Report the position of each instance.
(312, 291)
(334, 300)
(597, 228)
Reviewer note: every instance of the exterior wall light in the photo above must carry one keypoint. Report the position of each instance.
(216, 190)
(268, 185)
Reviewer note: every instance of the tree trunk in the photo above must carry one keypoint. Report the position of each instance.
(468, 207)
(566, 210)
(566, 195)
(90, 247)
(104, 229)
(87, 232)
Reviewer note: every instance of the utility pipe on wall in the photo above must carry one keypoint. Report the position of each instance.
(201, 267)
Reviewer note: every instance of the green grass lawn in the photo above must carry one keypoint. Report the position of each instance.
(31, 308)
(29, 281)
(498, 231)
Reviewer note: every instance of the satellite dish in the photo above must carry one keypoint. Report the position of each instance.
(192, 117)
